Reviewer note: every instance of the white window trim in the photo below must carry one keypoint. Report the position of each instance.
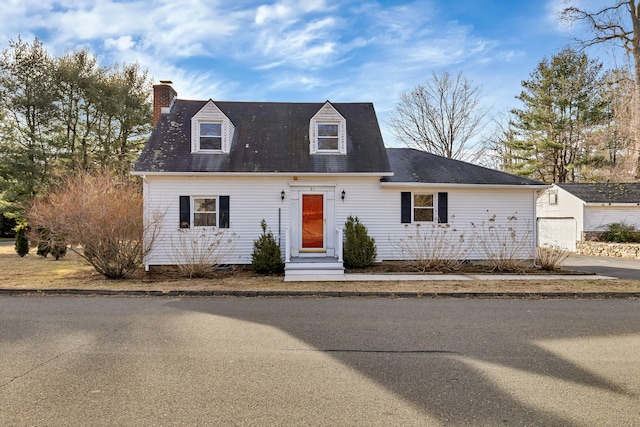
(433, 207)
(210, 113)
(193, 211)
(330, 116)
(198, 136)
(318, 137)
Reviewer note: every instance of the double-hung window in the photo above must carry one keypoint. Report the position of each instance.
(210, 136)
(423, 207)
(328, 134)
(204, 211)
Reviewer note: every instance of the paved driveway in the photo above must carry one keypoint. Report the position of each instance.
(622, 268)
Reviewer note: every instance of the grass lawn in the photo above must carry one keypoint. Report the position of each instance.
(71, 272)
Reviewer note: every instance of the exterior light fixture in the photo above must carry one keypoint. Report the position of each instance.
(282, 195)
(343, 194)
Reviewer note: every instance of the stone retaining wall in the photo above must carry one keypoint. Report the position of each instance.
(620, 250)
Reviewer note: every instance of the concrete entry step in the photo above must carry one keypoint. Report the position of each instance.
(313, 267)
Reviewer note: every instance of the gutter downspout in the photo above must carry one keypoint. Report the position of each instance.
(145, 186)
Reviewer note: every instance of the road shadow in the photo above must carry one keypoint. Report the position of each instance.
(417, 348)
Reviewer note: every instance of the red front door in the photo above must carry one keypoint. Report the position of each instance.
(312, 221)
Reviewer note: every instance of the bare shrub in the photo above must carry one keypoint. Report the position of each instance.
(550, 257)
(101, 217)
(505, 246)
(201, 251)
(433, 247)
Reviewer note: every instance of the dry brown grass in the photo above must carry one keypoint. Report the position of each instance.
(71, 272)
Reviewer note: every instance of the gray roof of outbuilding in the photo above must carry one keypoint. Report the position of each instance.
(415, 166)
(268, 137)
(604, 192)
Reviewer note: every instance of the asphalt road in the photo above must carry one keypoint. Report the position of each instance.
(360, 362)
(622, 268)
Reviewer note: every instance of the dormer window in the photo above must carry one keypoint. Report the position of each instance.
(328, 131)
(328, 136)
(211, 130)
(210, 136)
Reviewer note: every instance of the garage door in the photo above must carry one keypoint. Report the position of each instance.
(557, 232)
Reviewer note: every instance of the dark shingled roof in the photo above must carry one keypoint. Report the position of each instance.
(604, 192)
(410, 165)
(268, 137)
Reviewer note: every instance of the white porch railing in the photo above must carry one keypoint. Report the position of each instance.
(339, 243)
(287, 244)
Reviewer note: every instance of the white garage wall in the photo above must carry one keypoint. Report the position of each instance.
(597, 218)
(567, 206)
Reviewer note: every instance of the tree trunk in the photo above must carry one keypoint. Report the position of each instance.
(635, 49)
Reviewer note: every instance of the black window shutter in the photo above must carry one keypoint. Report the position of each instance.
(443, 210)
(185, 211)
(224, 211)
(405, 207)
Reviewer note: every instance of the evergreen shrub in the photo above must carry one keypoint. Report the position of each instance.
(620, 232)
(359, 248)
(22, 241)
(266, 257)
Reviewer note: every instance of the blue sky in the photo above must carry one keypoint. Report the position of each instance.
(309, 50)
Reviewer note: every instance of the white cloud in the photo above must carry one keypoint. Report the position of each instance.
(312, 45)
(288, 10)
(121, 43)
(273, 12)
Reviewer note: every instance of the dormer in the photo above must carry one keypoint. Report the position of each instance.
(328, 131)
(211, 130)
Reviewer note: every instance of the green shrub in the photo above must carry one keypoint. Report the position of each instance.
(22, 241)
(620, 232)
(359, 249)
(266, 257)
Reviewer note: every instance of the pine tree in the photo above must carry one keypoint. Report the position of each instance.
(562, 106)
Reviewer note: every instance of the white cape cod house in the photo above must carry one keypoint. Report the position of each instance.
(305, 168)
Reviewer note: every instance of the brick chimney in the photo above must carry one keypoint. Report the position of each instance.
(163, 96)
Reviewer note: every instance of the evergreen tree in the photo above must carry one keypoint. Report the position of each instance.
(562, 107)
(359, 248)
(59, 115)
(266, 257)
(22, 242)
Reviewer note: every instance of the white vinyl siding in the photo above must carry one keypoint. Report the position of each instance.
(163, 194)
(380, 211)
(378, 208)
(597, 218)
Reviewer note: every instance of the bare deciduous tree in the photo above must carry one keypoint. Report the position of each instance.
(102, 218)
(441, 116)
(619, 23)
